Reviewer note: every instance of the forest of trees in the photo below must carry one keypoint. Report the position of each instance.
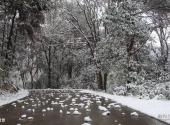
(84, 43)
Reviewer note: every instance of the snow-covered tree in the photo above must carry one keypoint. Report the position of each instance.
(128, 33)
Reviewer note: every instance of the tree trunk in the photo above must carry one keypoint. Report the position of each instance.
(70, 68)
(9, 44)
(23, 81)
(8, 61)
(32, 80)
(164, 49)
(105, 81)
(130, 47)
(99, 80)
(49, 67)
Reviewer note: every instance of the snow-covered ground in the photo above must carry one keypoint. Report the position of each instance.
(155, 108)
(8, 97)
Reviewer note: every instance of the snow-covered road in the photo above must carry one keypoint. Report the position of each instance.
(76, 107)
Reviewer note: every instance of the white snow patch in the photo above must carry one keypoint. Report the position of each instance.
(49, 109)
(61, 111)
(8, 98)
(123, 113)
(88, 110)
(81, 105)
(116, 106)
(30, 118)
(71, 109)
(44, 110)
(154, 108)
(102, 108)
(23, 116)
(105, 113)
(86, 124)
(87, 119)
(134, 114)
(76, 113)
(54, 103)
(98, 102)
(68, 113)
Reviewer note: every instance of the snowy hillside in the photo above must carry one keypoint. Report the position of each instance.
(6, 97)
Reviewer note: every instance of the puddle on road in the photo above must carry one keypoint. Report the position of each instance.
(62, 107)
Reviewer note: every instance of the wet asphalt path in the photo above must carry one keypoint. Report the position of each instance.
(68, 107)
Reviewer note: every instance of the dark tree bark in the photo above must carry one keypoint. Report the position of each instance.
(105, 81)
(100, 80)
(49, 67)
(69, 68)
(9, 44)
(32, 80)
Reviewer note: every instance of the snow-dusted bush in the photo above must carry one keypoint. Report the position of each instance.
(147, 90)
(164, 76)
(121, 90)
(160, 97)
(162, 89)
(9, 88)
